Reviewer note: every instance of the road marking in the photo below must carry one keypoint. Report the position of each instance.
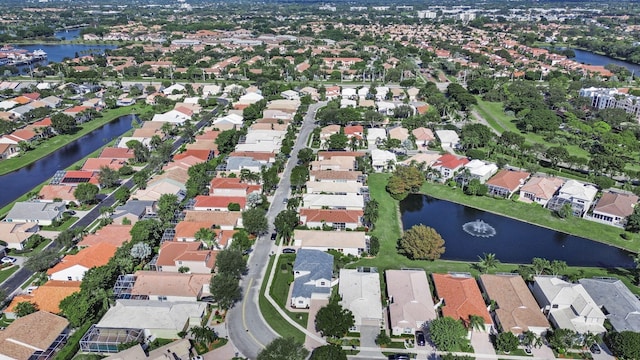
(244, 318)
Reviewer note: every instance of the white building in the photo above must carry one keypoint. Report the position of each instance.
(360, 293)
(347, 242)
(324, 201)
(382, 160)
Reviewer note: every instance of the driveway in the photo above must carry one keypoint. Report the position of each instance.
(543, 352)
(481, 343)
(368, 335)
(605, 354)
(316, 304)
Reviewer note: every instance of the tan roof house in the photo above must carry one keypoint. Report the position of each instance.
(171, 286)
(399, 133)
(225, 220)
(423, 137)
(33, 336)
(347, 242)
(335, 176)
(113, 234)
(516, 309)
(16, 234)
(411, 307)
(613, 208)
(51, 193)
(174, 255)
(540, 189)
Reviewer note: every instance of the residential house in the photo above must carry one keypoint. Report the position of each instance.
(461, 298)
(383, 160)
(320, 187)
(158, 187)
(578, 195)
(614, 207)
(46, 297)
(113, 234)
(174, 255)
(337, 202)
(51, 193)
(312, 275)
(339, 163)
(73, 267)
(568, 306)
(174, 116)
(516, 310)
(336, 219)
(448, 165)
(75, 177)
(170, 286)
(203, 155)
(540, 189)
(186, 230)
(423, 137)
(327, 131)
(399, 133)
(218, 203)
(179, 348)
(329, 155)
(17, 234)
(232, 187)
(136, 320)
(619, 304)
(39, 335)
(96, 164)
(410, 307)
(290, 95)
(506, 182)
(336, 176)
(376, 136)
(448, 138)
(227, 220)
(7, 150)
(42, 213)
(476, 169)
(228, 122)
(134, 210)
(347, 242)
(354, 131)
(359, 290)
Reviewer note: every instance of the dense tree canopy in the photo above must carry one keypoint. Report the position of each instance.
(333, 320)
(284, 349)
(421, 243)
(447, 333)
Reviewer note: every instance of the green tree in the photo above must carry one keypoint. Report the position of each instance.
(86, 193)
(141, 251)
(168, 205)
(203, 334)
(562, 339)
(625, 345)
(306, 155)
(564, 211)
(227, 141)
(488, 261)
(557, 266)
(42, 260)
(405, 179)
(421, 243)
(556, 154)
(284, 349)
(206, 235)
(475, 187)
(371, 211)
(225, 290)
(63, 123)
(328, 352)
(337, 141)
(140, 179)
(374, 245)
(25, 308)
(285, 222)
(476, 135)
(122, 194)
(148, 231)
(231, 262)
(447, 334)
(633, 220)
(299, 176)
(507, 342)
(108, 178)
(240, 240)
(539, 265)
(333, 320)
(255, 221)
(476, 322)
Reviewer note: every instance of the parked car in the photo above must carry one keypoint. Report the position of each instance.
(398, 357)
(420, 339)
(70, 212)
(288, 251)
(285, 200)
(527, 350)
(595, 349)
(273, 236)
(8, 260)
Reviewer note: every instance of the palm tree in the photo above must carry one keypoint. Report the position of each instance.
(488, 261)
(203, 334)
(476, 322)
(590, 339)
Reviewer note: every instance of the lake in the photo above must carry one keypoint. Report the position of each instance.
(57, 52)
(514, 241)
(21, 181)
(589, 58)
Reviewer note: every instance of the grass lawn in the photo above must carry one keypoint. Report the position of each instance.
(64, 226)
(273, 318)
(388, 231)
(52, 144)
(6, 272)
(4, 322)
(37, 249)
(535, 214)
(494, 113)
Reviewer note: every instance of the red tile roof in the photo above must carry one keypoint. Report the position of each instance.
(462, 297)
(219, 201)
(90, 257)
(94, 164)
(508, 179)
(331, 216)
(450, 161)
(188, 229)
(43, 123)
(203, 155)
(112, 234)
(117, 153)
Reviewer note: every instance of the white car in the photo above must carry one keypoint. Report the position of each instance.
(8, 260)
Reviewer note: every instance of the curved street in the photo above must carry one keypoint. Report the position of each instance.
(247, 328)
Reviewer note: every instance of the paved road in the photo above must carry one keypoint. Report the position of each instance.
(247, 328)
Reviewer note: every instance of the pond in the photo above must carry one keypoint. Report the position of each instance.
(513, 242)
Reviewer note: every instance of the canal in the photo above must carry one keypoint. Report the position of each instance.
(21, 181)
(514, 241)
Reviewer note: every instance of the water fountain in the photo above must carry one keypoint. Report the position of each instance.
(479, 228)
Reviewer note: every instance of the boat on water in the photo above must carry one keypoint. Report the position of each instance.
(13, 56)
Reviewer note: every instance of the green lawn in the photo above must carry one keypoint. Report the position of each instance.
(273, 318)
(52, 144)
(494, 113)
(64, 226)
(6, 272)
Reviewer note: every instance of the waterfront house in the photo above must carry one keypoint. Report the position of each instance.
(174, 255)
(180, 348)
(567, 305)
(359, 290)
(383, 160)
(39, 335)
(476, 169)
(410, 307)
(312, 275)
(578, 195)
(7, 149)
(448, 165)
(73, 267)
(614, 207)
(41, 213)
(45, 297)
(460, 298)
(17, 234)
(347, 242)
(516, 310)
(506, 182)
(540, 189)
(619, 304)
(51, 193)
